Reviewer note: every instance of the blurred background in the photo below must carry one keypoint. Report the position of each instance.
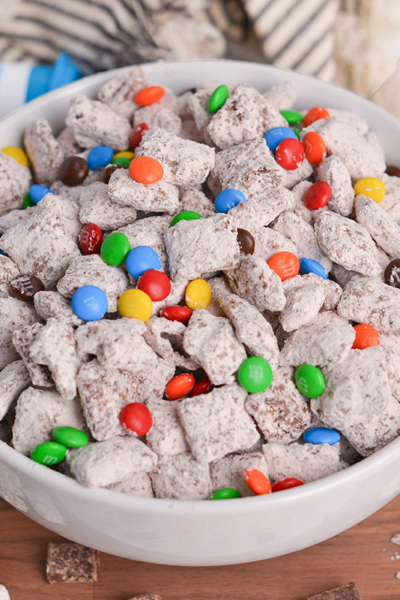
(355, 43)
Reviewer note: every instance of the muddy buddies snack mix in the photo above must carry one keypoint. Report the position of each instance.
(204, 303)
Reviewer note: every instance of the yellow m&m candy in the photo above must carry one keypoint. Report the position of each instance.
(135, 304)
(17, 154)
(198, 294)
(372, 187)
(127, 154)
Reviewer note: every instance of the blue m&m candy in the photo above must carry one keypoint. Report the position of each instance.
(37, 192)
(99, 156)
(274, 136)
(308, 265)
(89, 303)
(321, 435)
(228, 199)
(142, 259)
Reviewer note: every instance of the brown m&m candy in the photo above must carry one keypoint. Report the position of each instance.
(393, 171)
(245, 241)
(25, 287)
(392, 273)
(73, 171)
(109, 170)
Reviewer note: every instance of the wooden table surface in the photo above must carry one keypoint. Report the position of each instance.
(363, 554)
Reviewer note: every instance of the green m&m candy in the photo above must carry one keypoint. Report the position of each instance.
(292, 116)
(218, 98)
(27, 201)
(226, 494)
(49, 453)
(70, 437)
(115, 249)
(255, 374)
(309, 381)
(297, 132)
(185, 215)
(121, 160)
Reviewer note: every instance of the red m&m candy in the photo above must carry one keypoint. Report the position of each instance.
(286, 484)
(315, 147)
(317, 195)
(204, 386)
(285, 265)
(179, 386)
(366, 336)
(137, 134)
(90, 239)
(156, 284)
(136, 417)
(318, 112)
(290, 154)
(176, 313)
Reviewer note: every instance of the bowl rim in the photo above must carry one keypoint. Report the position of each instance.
(67, 485)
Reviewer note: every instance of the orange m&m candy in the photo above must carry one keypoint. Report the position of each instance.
(257, 482)
(145, 169)
(285, 265)
(179, 386)
(149, 95)
(318, 112)
(366, 336)
(315, 147)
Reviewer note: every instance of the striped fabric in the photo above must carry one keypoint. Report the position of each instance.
(297, 34)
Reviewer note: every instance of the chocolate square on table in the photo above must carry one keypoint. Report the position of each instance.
(346, 592)
(72, 563)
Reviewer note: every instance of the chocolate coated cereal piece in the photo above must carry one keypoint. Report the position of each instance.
(137, 485)
(269, 242)
(92, 270)
(156, 197)
(333, 291)
(15, 217)
(8, 272)
(162, 114)
(281, 412)
(335, 173)
(193, 199)
(67, 142)
(94, 123)
(282, 95)
(217, 423)
(166, 437)
(211, 342)
(184, 162)
(200, 246)
(119, 93)
(97, 207)
(302, 306)
(71, 563)
(308, 462)
(351, 118)
(166, 338)
(113, 461)
(318, 345)
(391, 201)
(245, 116)
(15, 181)
(254, 281)
(44, 151)
(295, 176)
(149, 232)
(38, 412)
(181, 477)
(382, 228)
(14, 378)
(258, 214)
(346, 592)
(300, 208)
(22, 340)
(4, 595)
(230, 471)
(55, 347)
(52, 304)
(14, 314)
(251, 328)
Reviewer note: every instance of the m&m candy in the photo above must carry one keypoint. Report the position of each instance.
(276, 135)
(218, 98)
(27, 201)
(115, 249)
(136, 418)
(99, 156)
(73, 171)
(156, 284)
(186, 215)
(137, 134)
(204, 386)
(321, 435)
(257, 482)
(366, 336)
(309, 381)
(226, 494)
(37, 192)
(290, 154)
(122, 161)
(309, 265)
(25, 287)
(176, 313)
(284, 264)
(89, 303)
(179, 386)
(314, 114)
(126, 154)
(246, 241)
(292, 116)
(17, 154)
(228, 199)
(49, 453)
(145, 169)
(70, 437)
(286, 484)
(315, 149)
(255, 374)
(372, 187)
(91, 239)
(135, 304)
(392, 273)
(198, 294)
(317, 195)
(149, 95)
(142, 259)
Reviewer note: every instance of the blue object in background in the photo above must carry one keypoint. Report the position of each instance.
(308, 265)
(276, 135)
(99, 156)
(142, 259)
(228, 199)
(321, 435)
(89, 303)
(37, 192)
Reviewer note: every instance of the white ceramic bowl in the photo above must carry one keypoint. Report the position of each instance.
(203, 533)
